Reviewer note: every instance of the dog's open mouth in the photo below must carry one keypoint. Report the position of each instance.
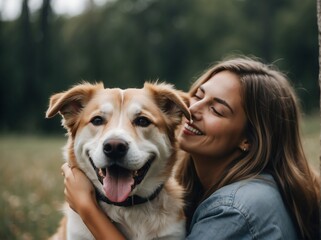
(118, 182)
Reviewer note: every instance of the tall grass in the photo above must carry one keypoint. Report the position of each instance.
(32, 187)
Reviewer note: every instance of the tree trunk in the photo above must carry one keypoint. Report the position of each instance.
(27, 61)
(319, 36)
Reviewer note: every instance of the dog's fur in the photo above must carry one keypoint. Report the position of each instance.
(137, 125)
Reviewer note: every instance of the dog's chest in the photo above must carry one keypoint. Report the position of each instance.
(143, 221)
(138, 222)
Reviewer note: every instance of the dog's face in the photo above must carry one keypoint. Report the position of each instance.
(123, 140)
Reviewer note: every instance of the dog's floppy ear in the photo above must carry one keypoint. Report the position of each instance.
(71, 102)
(171, 101)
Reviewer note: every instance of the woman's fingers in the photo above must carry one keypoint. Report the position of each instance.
(64, 169)
(79, 190)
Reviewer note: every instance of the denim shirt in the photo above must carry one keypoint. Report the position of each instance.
(248, 209)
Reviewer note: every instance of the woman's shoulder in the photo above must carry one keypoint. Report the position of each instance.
(251, 192)
(258, 191)
(254, 203)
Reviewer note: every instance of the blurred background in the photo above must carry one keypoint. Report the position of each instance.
(126, 42)
(46, 46)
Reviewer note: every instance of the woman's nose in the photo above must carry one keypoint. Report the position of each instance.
(196, 110)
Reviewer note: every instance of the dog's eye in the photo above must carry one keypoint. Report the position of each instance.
(142, 122)
(97, 121)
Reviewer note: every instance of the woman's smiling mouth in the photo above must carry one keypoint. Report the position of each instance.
(191, 130)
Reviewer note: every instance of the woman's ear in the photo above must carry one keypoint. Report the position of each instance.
(245, 145)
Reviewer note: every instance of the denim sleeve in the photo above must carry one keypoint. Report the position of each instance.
(221, 222)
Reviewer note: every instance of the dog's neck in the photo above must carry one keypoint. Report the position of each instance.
(131, 200)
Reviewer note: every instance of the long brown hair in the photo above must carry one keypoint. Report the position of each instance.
(273, 118)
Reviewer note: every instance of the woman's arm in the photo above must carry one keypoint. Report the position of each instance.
(80, 194)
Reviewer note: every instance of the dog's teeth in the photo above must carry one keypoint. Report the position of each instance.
(101, 172)
(136, 173)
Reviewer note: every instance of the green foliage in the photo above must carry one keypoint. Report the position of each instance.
(126, 42)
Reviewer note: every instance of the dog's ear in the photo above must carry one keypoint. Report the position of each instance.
(71, 102)
(172, 102)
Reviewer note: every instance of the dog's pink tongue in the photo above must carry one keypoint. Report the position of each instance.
(117, 188)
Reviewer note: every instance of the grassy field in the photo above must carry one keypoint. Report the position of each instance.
(32, 187)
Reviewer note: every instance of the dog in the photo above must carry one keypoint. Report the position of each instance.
(124, 141)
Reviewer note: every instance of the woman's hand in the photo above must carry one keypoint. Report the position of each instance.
(79, 191)
(80, 194)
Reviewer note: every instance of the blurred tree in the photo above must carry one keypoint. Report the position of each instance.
(46, 74)
(319, 38)
(44, 42)
(296, 48)
(26, 68)
(127, 42)
(2, 68)
(258, 15)
(94, 49)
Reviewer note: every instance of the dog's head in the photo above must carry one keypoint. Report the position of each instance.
(123, 140)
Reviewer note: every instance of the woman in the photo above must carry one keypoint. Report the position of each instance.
(245, 174)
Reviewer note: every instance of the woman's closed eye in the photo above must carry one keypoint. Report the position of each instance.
(217, 112)
(199, 94)
(198, 97)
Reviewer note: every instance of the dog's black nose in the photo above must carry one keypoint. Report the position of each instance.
(115, 148)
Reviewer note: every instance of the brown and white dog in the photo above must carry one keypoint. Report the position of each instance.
(124, 141)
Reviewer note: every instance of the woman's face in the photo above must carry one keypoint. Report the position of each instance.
(219, 120)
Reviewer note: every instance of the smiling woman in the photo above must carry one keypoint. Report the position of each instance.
(219, 120)
(246, 162)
